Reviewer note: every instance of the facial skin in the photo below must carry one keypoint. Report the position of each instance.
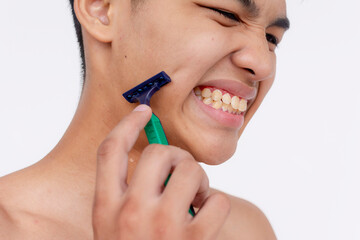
(193, 45)
(125, 45)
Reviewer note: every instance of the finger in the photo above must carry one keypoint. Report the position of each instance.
(153, 168)
(112, 155)
(214, 213)
(188, 184)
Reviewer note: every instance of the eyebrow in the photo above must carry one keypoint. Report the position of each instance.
(281, 22)
(254, 11)
(251, 7)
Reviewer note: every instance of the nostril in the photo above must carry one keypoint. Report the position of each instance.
(250, 70)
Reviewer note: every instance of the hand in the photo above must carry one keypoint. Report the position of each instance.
(144, 209)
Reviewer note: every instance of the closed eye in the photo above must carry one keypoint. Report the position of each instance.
(233, 17)
(272, 39)
(227, 15)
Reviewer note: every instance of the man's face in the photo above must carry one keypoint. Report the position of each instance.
(199, 46)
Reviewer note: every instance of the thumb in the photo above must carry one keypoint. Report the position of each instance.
(113, 152)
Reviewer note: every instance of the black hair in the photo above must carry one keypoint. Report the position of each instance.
(79, 39)
(79, 36)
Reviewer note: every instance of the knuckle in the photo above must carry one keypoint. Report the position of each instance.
(102, 202)
(206, 179)
(162, 152)
(184, 154)
(129, 221)
(130, 215)
(198, 169)
(194, 232)
(131, 204)
(222, 201)
(191, 166)
(107, 147)
(163, 215)
(155, 149)
(164, 224)
(167, 153)
(161, 226)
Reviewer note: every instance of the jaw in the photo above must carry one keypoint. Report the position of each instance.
(191, 129)
(188, 126)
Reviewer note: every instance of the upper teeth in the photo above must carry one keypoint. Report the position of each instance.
(206, 93)
(225, 102)
(216, 95)
(226, 98)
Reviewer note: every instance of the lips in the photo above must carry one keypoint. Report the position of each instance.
(226, 117)
(235, 88)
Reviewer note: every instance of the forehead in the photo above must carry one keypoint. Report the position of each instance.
(264, 11)
(271, 9)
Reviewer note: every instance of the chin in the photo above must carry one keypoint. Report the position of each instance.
(215, 158)
(214, 147)
(212, 153)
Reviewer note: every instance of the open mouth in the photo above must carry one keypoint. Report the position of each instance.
(221, 100)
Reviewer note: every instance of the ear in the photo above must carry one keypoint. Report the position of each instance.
(94, 16)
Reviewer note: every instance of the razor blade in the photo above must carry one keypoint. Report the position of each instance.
(143, 92)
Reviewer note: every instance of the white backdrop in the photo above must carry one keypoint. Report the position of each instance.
(299, 158)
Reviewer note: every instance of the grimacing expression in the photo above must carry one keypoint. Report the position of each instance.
(223, 51)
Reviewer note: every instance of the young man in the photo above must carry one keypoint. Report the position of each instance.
(102, 180)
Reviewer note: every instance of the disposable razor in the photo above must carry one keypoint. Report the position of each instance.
(142, 93)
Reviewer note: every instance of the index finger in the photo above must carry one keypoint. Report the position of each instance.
(112, 155)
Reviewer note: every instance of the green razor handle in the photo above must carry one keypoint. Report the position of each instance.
(156, 135)
(155, 132)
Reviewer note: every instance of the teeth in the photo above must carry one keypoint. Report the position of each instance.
(207, 101)
(197, 91)
(242, 105)
(206, 93)
(226, 98)
(216, 95)
(217, 105)
(235, 101)
(231, 109)
(225, 107)
(217, 100)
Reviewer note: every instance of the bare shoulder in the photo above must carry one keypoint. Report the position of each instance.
(246, 221)
(7, 224)
(16, 217)
(29, 210)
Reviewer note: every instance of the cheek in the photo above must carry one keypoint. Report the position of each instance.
(186, 45)
(183, 54)
(197, 53)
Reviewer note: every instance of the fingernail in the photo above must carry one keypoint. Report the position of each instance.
(141, 108)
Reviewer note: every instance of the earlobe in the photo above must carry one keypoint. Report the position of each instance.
(94, 16)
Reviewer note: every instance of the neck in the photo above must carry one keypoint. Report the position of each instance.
(100, 109)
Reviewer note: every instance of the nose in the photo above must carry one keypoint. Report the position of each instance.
(254, 57)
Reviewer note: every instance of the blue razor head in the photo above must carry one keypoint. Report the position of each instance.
(143, 92)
